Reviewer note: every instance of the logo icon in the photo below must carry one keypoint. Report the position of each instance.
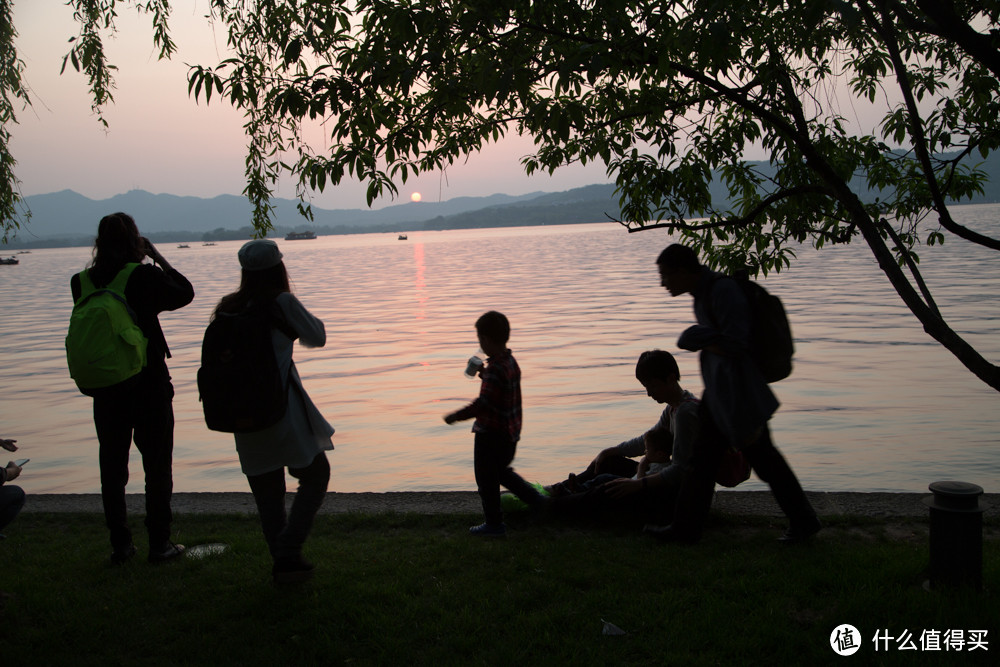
(845, 639)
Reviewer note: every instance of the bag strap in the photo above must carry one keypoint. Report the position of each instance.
(121, 280)
(708, 297)
(87, 286)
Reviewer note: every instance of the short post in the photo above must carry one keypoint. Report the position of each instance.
(956, 535)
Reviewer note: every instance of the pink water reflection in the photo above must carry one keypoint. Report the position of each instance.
(873, 404)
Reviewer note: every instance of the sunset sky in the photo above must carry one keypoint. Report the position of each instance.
(161, 141)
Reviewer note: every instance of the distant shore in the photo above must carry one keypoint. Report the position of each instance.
(746, 503)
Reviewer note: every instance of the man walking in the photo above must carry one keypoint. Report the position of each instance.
(736, 403)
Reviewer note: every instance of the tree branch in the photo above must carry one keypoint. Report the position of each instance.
(907, 256)
(885, 31)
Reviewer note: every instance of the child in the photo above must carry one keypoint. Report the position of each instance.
(659, 444)
(498, 425)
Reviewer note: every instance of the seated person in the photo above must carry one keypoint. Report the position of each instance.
(11, 497)
(658, 444)
(650, 495)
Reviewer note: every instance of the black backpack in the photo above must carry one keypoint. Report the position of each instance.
(240, 386)
(771, 343)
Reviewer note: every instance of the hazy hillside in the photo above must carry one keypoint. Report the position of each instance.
(68, 218)
(67, 214)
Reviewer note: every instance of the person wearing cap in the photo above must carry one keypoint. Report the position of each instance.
(298, 441)
(140, 409)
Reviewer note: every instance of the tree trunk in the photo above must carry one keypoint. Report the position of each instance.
(933, 324)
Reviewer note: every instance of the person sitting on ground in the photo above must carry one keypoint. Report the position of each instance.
(11, 497)
(658, 443)
(651, 495)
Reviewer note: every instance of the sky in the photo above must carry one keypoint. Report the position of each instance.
(162, 141)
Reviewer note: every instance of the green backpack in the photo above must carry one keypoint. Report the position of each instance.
(104, 345)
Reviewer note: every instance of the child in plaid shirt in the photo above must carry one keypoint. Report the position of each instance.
(498, 425)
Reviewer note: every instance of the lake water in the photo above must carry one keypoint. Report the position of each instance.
(874, 404)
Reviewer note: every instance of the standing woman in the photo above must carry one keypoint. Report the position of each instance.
(140, 408)
(300, 439)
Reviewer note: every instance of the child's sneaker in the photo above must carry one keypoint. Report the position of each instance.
(489, 530)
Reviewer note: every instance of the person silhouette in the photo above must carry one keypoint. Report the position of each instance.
(139, 409)
(299, 440)
(11, 497)
(736, 404)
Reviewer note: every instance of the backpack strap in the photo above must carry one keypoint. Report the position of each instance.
(87, 286)
(708, 296)
(121, 280)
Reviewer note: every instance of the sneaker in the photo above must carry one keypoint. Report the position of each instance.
(168, 552)
(489, 530)
(801, 531)
(122, 555)
(292, 570)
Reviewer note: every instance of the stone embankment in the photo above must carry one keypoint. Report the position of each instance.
(888, 506)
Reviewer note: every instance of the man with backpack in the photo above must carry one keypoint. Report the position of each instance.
(132, 400)
(736, 403)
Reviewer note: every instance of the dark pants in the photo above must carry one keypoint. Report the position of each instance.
(11, 502)
(619, 466)
(141, 411)
(695, 496)
(285, 535)
(492, 456)
(590, 500)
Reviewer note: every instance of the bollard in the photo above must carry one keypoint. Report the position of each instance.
(956, 535)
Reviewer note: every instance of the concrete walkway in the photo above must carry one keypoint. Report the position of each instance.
(753, 503)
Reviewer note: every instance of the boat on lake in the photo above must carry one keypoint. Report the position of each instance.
(402, 237)
(9, 260)
(300, 236)
(183, 245)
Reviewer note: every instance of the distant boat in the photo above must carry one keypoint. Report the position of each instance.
(9, 260)
(183, 245)
(402, 237)
(208, 244)
(299, 236)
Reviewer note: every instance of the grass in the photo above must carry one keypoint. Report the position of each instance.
(400, 588)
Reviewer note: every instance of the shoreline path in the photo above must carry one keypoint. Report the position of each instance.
(746, 503)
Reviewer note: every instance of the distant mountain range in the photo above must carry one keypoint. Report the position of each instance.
(67, 218)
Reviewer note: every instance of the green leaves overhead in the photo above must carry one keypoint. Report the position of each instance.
(670, 95)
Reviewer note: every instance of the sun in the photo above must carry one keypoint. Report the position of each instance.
(416, 196)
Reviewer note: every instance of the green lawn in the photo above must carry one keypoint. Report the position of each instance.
(400, 588)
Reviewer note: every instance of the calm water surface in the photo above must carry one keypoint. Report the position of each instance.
(873, 405)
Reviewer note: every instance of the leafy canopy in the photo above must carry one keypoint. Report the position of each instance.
(670, 95)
